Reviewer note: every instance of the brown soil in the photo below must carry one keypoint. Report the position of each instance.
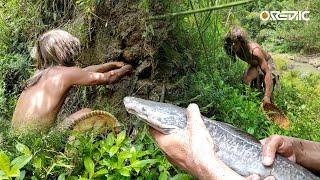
(274, 114)
(120, 32)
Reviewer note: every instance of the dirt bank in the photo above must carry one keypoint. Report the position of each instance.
(120, 31)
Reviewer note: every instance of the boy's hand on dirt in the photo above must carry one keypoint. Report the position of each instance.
(119, 64)
(117, 74)
(277, 144)
(192, 148)
(114, 65)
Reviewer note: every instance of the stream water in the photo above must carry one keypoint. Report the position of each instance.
(298, 63)
(302, 67)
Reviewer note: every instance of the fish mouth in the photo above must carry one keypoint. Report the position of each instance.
(155, 124)
(132, 108)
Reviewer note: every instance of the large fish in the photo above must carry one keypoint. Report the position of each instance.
(239, 150)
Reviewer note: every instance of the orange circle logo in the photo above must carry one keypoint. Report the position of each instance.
(264, 15)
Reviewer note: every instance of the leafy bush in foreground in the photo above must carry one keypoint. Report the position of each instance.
(88, 156)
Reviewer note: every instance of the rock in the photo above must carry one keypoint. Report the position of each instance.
(144, 70)
(291, 66)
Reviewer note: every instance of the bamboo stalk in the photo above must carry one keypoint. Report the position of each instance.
(200, 34)
(170, 15)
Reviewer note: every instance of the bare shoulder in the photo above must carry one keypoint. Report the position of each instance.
(256, 50)
(255, 47)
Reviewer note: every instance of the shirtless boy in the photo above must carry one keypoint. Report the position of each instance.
(45, 92)
(260, 62)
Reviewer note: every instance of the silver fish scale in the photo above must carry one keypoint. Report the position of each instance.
(172, 117)
(239, 150)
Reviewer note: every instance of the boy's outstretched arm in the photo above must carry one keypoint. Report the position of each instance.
(104, 67)
(78, 76)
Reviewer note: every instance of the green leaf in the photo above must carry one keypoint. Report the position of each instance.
(163, 176)
(23, 149)
(121, 137)
(83, 178)
(251, 130)
(22, 175)
(4, 162)
(138, 165)
(14, 173)
(34, 178)
(62, 176)
(20, 161)
(123, 155)
(110, 139)
(133, 150)
(101, 172)
(89, 165)
(113, 150)
(143, 153)
(37, 163)
(109, 163)
(125, 171)
(181, 176)
(142, 163)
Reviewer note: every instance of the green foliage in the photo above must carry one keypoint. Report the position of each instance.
(115, 157)
(15, 69)
(297, 99)
(208, 77)
(284, 36)
(10, 169)
(88, 156)
(216, 84)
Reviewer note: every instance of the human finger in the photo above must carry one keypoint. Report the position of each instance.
(270, 178)
(110, 66)
(197, 131)
(117, 74)
(269, 149)
(194, 119)
(253, 177)
(263, 141)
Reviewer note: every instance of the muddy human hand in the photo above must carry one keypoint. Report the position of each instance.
(117, 74)
(114, 65)
(102, 68)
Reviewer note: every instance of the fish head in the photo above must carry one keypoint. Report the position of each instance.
(158, 115)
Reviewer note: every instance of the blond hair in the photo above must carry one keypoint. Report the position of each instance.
(55, 47)
(237, 34)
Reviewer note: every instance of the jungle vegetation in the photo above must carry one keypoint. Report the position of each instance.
(185, 52)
